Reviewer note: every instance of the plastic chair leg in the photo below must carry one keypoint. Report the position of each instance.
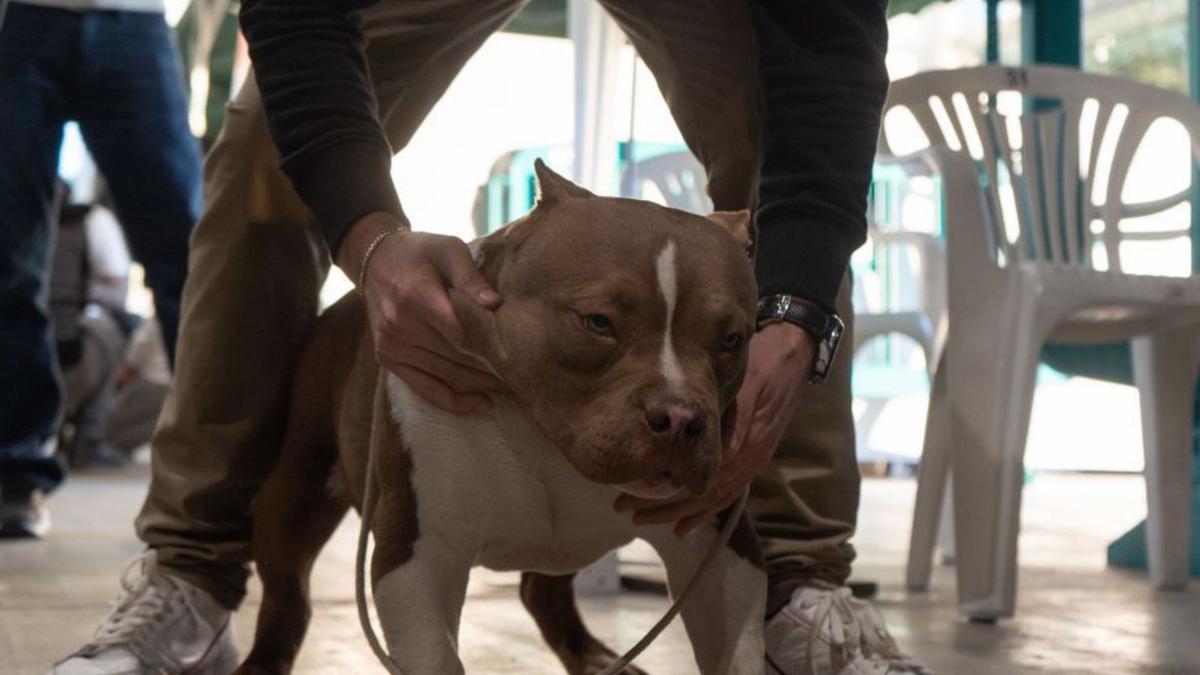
(945, 537)
(931, 483)
(935, 354)
(994, 351)
(1164, 369)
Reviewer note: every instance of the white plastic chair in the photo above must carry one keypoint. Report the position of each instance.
(921, 259)
(918, 323)
(678, 176)
(1035, 230)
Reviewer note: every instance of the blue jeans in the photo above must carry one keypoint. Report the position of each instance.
(118, 75)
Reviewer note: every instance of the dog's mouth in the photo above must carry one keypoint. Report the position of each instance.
(661, 486)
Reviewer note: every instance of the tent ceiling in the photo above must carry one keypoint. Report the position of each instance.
(549, 17)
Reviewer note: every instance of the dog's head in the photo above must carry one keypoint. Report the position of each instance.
(624, 329)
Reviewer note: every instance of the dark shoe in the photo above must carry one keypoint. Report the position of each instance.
(97, 455)
(23, 514)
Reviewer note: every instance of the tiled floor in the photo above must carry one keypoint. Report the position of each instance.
(1074, 616)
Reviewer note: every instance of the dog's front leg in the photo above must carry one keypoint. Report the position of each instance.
(419, 589)
(723, 612)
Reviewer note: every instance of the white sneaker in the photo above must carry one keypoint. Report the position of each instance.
(826, 631)
(160, 625)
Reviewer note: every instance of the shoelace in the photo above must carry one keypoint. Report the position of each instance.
(833, 615)
(878, 642)
(141, 602)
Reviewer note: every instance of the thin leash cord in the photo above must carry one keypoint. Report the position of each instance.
(360, 582)
(364, 532)
(619, 666)
(731, 521)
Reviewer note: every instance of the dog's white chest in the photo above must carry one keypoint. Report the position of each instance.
(496, 486)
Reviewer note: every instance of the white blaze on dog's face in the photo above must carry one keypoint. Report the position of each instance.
(624, 328)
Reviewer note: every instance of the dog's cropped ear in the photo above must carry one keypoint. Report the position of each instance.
(737, 223)
(553, 188)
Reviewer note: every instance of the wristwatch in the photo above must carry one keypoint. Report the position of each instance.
(827, 328)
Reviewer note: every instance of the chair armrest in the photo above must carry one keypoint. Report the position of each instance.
(968, 236)
(921, 240)
(914, 163)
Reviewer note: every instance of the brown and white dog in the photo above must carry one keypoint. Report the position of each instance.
(623, 336)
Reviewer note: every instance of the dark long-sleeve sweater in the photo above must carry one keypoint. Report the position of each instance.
(822, 85)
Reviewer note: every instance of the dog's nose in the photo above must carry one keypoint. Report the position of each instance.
(674, 422)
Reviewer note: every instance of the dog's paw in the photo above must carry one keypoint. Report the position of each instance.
(593, 659)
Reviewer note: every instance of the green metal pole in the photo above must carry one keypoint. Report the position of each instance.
(1052, 32)
(1193, 66)
(1193, 48)
(993, 31)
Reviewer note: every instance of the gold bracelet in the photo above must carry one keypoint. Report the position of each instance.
(362, 271)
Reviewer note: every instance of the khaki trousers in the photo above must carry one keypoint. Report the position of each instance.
(257, 263)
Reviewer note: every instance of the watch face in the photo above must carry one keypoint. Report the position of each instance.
(836, 328)
(827, 349)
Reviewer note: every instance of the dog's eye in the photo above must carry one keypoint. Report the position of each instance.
(732, 342)
(598, 323)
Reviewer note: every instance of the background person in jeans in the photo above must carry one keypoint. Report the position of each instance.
(111, 66)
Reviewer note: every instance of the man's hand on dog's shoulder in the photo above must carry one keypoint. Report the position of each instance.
(780, 356)
(417, 335)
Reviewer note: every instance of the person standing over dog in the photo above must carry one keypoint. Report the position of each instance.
(781, 102)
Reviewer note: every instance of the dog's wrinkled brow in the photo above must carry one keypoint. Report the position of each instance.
(724, 310)
(620, 295)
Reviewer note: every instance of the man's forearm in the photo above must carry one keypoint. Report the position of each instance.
(823, 83)
(311, 69)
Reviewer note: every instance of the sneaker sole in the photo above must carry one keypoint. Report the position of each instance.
(223, 663)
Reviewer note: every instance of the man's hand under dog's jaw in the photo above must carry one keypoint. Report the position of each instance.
(416, 333)
(781, 357)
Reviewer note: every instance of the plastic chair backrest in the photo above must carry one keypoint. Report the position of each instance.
(1053, 147)
(678, 176)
